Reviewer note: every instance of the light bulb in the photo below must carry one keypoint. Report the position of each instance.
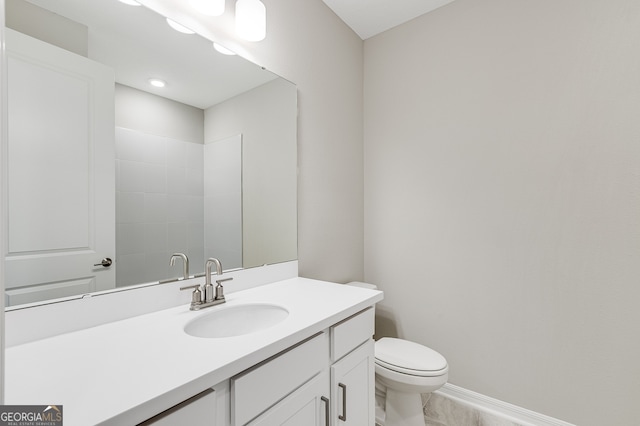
(251, 20)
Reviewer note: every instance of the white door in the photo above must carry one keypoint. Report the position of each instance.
(60, 172)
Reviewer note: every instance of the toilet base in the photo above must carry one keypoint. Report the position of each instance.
(380, 401)
(400, 409)
(403, 409)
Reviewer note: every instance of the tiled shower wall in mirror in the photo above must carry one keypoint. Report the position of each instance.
(159, 206)
(161, 199)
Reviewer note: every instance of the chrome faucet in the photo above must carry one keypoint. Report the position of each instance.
(208, 287)
(208, 296)
(185, 265)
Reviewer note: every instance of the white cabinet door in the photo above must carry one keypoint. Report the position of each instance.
(197, 411)
(353, 388)
(60, 169)
(307, 406)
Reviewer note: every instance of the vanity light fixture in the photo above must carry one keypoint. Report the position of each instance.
(223, 50)
(208, 7)
(180, 28)
(251, 16)
(251, 20)
(156, 82)
(130, 2)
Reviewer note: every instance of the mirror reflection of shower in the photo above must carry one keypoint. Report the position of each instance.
(184, 198)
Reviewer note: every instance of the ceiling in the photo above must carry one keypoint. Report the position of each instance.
(138, 44)
(370, 17)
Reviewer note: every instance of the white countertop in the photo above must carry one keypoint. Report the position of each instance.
(127, 371)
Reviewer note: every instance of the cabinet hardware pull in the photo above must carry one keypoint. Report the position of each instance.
(343, 417)
(326, 409)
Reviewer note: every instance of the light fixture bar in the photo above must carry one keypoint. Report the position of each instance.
(208, 7)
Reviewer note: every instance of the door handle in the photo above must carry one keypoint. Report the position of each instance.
(343, 416)
(106, 262)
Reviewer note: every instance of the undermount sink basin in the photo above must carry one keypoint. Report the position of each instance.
(237, 320)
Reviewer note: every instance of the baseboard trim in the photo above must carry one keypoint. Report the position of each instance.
(499, 408)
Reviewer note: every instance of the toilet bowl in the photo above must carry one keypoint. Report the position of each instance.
(403, 371)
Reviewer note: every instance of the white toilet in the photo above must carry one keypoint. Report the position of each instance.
(404, 370)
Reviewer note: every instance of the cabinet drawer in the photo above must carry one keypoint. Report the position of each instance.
(351, 333)
(260, 387)
(199, 410)
(306, 406)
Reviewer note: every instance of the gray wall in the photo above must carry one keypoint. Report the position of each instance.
(502, 198)
(149, 113)
(268, 167)
(47, 26)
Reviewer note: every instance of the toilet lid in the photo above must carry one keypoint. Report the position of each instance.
(409, 357)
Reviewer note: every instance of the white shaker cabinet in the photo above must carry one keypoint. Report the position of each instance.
(353, 388)
(352, 371)
(340, 392)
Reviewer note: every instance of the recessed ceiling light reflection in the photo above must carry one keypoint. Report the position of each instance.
(223, 49)
(178, 27)
(156, 82)
(130, 2)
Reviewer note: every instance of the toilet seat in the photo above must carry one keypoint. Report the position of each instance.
(403, 356)
(410, 372)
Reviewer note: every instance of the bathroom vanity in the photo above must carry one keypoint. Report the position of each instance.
(304, 358)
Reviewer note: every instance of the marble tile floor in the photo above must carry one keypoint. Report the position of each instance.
(442, 411)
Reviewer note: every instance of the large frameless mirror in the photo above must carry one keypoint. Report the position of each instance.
(109, 175)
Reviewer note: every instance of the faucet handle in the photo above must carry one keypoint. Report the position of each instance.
(220, 289)
(189, 287)
(196, 296)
